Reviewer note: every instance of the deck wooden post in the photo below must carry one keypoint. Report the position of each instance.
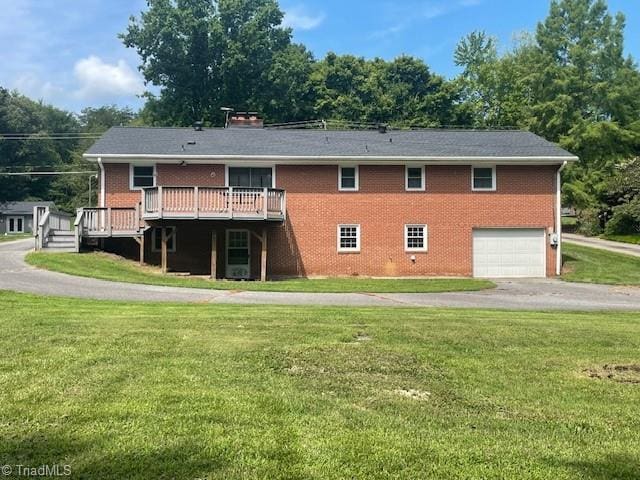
(263, 257)
(141, 243)
(164, 250)
(214, 255)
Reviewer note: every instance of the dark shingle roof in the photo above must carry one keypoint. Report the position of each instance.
(327, 143)
(23, 208)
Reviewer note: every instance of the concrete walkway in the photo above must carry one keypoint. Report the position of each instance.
(539, 294)
(595, 242)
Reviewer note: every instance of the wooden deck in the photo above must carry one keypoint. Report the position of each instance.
(213, 203)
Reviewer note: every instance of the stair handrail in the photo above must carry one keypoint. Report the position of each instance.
(43, 230)
(77, 228)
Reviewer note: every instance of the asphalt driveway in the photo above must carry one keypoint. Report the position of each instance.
(538, 294)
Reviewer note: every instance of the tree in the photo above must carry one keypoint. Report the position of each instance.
(205, 55)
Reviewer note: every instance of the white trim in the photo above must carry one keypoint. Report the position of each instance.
(349, 250)
(493, 179)
(169, 236)
(559, 218)
(302, 159)
(226, 252)
(103, 194)
(15, 218)
(425, 236)
(131, 167)
(357, 178)
(423, 177)
(255, 165)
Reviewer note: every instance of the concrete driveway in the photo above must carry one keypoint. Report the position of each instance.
(539, 294)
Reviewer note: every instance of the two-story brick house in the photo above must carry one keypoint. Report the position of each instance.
(251, 203)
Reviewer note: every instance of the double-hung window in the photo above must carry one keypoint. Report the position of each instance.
(483, 178)
(348, 238)
(348, 179)
(142, 176)
(414, 179)
(415, 238)
(251, 177)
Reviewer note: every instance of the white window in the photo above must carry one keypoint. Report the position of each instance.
(483, 178)
(142, 176)
(348, 238)
(15, 224)
(254, 177)
(414, 178)
(415, 238)
(156, 239)
(348, 179)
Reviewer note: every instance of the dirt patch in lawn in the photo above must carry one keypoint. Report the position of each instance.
(616, 373)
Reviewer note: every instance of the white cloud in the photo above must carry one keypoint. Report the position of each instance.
(99, 79)
(301, 19)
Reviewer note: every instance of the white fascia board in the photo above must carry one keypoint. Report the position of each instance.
(323, 160)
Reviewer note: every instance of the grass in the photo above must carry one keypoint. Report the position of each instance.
(15, 236)
(110, 267)
(592, 265)
(140, 391)
(569, 221)
(623, 238)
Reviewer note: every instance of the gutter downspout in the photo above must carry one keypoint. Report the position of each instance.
(102, 201)
(559, 218)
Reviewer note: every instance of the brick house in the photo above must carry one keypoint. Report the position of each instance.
(263, 202)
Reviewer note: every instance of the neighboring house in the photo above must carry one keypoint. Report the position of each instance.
(17, 217)
(247, 203)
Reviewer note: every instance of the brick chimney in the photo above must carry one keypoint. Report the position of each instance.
(245, 120)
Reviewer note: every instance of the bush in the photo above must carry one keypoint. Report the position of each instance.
(625, 219)
(588, 222)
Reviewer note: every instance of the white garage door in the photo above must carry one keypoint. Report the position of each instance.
(509, 252)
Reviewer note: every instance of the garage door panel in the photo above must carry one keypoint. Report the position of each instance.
(504, 253)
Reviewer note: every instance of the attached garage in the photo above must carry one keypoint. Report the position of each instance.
(509, 252)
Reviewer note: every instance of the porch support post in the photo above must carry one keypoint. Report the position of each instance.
(263, 256)
(141, 242)
(214, 255)
(164, 250)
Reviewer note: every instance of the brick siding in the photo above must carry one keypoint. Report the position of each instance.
(306, 244)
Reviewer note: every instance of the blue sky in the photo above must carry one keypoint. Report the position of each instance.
(66, 52)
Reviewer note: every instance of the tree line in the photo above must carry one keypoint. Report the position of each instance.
(568, 81)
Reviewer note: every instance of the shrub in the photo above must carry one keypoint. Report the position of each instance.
(588, 222)
(625, 219)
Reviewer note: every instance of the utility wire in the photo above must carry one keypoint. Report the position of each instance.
(16, 174)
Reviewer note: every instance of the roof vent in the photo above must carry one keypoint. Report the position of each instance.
(382, 127)
(197, 126)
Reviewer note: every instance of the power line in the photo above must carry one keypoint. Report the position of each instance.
(16, 174)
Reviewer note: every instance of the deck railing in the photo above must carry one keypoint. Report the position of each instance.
(107, 222)
(213, 203)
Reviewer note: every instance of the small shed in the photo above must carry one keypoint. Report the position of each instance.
(17, 217)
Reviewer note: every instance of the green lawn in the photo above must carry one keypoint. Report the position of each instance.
(592, 265)
(143, 391)
(569, 221)
(623, 238)
(110, 267)
(15, 236)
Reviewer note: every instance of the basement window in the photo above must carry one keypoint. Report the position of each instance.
(156, 239)
(415, 238)
(348, 238)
